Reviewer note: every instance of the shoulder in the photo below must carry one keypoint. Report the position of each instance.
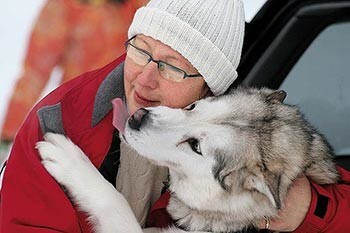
(71, 106)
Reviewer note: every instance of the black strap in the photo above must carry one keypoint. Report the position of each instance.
(110, 165)
(321, 206)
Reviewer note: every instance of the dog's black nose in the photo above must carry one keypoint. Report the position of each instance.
(136, 120)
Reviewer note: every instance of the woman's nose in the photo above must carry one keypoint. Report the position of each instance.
(149, 76)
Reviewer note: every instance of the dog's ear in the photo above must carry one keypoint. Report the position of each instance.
(277, 96)
(267, 184)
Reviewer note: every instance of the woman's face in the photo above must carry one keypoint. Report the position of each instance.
(145, 87)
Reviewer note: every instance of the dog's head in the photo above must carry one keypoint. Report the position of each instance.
(219, 146)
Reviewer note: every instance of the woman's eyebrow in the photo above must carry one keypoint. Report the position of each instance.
(169, 56)
(142, 41)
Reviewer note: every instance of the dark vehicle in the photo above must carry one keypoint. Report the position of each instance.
(303, 47)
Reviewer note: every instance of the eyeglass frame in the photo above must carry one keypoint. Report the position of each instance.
(158, 62)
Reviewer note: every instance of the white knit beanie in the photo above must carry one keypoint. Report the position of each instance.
(208, 33)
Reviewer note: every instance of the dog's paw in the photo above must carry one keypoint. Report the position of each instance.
(85, 186)
(59, 156)
(65, 161)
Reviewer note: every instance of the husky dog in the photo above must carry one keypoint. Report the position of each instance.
(231, 161)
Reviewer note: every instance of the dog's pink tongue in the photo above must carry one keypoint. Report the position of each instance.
(120, 114)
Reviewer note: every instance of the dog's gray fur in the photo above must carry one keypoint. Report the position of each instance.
(265, 145)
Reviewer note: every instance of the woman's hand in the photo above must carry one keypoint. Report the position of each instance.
(295, 208)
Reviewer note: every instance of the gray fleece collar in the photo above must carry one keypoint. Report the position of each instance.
(112, 87)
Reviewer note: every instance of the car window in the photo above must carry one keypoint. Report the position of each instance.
(319, 84)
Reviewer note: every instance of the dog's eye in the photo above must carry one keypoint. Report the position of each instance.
(195, 146)
(190, 107)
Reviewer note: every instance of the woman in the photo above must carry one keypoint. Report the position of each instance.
(178, 51)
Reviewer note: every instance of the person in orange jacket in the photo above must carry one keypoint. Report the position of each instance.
(194, 54)
(73, 35)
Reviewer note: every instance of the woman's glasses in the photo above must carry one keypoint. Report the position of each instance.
(142, 58)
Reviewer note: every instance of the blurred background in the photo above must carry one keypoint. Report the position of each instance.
(16, 21)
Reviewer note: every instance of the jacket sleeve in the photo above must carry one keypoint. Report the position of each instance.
(44, 51)
(330, 207)
(31, 201)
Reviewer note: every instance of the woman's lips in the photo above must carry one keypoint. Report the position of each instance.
(142, 100)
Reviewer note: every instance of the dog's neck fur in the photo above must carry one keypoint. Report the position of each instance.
(229, 217)
(212, 221)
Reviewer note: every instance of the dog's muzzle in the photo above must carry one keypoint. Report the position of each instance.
(138, 118)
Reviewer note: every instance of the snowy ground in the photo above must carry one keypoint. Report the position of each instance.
(16, 18)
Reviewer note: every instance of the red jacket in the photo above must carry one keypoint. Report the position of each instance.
(31, 200)
(329, 211)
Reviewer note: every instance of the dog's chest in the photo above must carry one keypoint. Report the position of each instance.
(211, 221)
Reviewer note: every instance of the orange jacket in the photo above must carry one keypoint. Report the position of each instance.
(73, 36)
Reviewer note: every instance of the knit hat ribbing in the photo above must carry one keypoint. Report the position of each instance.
(208, 33)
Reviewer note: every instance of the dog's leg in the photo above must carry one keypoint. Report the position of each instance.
(107, 208)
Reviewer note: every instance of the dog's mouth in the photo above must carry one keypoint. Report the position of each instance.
(129, 126)
(138, 119)
(122, 117)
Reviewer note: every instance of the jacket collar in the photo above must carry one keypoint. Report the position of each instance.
(112, 87)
